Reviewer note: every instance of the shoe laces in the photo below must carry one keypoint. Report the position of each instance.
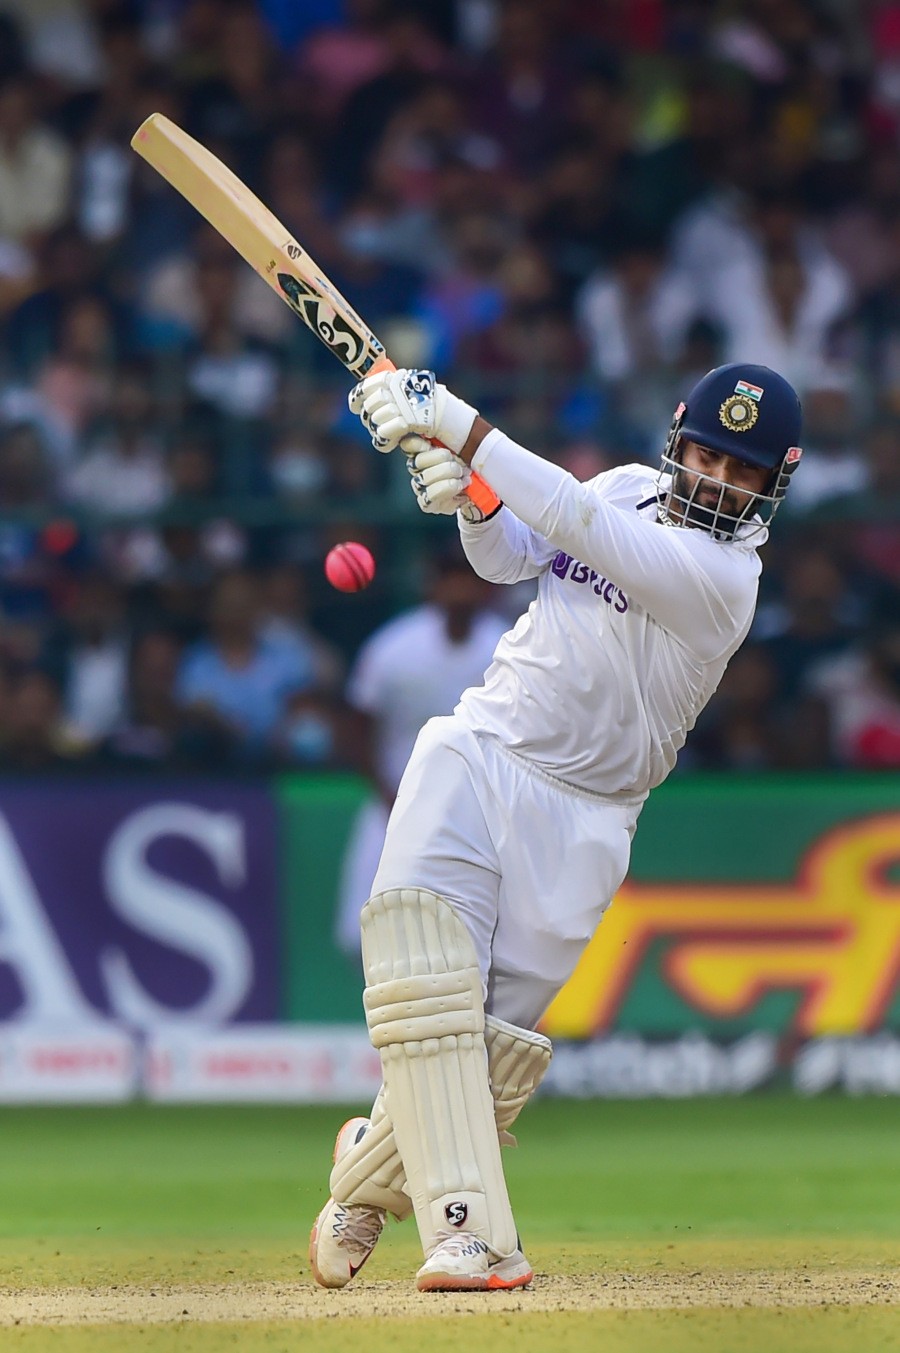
(360, 1227)
(458, 1243)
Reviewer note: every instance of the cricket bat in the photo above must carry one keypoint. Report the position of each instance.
(264, 243)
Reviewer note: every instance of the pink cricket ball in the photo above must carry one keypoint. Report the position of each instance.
(349, 566)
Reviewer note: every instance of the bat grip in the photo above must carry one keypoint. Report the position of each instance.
(480, 493)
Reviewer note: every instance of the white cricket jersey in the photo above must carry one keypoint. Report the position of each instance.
(599, 683)
(410, 670)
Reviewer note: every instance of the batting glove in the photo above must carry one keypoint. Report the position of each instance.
(439, 479)
(393, 404)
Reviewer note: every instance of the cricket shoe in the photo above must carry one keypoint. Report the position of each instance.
(344, 1234)
(463, 1262)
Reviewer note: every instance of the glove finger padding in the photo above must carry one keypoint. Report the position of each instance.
(396, 403)
(439, 478)
(414, 445)
(453, 477)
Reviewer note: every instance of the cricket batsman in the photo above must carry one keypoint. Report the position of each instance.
(512, 827)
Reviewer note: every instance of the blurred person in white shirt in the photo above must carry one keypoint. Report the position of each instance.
(35, 167)
(124, 472)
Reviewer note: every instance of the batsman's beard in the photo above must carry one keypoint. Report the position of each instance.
(706, 503)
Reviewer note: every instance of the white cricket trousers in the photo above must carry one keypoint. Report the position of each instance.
(529, 864)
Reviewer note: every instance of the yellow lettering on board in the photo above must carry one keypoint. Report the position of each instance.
(833, 935)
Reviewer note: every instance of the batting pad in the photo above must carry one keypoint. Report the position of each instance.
(372, 1173)
(425, 1015)
(517, 1062)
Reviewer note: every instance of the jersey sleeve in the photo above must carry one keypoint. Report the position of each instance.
(702, 592)
(505, 549)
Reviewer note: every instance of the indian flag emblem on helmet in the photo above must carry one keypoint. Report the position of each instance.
(738, 413)
(754, 392)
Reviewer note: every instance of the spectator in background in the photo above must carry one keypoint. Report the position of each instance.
(338, 58)
(746, 224)
(834, 463)
(315, 732)
(155, 731)
(749, 727)
(519, 87)
(30, 571)
(238, 379)
(238, 675)
(351, 475)
(578, 215)
(232, 107)
(521, 339)
(34, 738)
(292, 187)
(62, 41)
(425, 134)
(468, 296)
(205, 283)
(91, 657)
(123, 473)
(104, 119)
(860, 690)
(410, 59)
(411, 669)
(635, 315)
(68, 272)
(285, 611)
(179, 560)
(877, 325)
(297, 469)
(870, 517)
(523, 366)
(72, 386)
(817, 619)
(782, 309)
(861, 231)
(35, 167)
(709, 113)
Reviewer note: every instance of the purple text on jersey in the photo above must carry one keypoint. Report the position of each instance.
(580, 573)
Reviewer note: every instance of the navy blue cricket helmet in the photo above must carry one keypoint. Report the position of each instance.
(741, 410)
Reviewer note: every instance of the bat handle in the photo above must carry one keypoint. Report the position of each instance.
(481, 494)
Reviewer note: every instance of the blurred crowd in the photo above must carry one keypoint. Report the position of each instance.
(571, 209)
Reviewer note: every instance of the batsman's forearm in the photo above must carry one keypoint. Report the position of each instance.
(480, 429)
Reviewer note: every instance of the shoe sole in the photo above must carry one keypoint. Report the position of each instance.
(455, 1282)
(313, 1237)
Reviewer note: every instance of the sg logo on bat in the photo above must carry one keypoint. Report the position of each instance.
(358, 353)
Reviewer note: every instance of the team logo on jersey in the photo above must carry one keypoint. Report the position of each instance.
(738, 412)
(564, 566)
(456, 1213)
